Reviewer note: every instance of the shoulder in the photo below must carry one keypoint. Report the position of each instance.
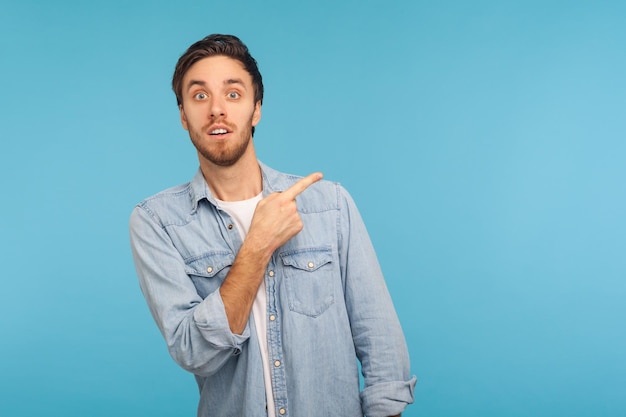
(175, 205)
(170, 206)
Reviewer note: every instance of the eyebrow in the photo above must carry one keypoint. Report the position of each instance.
(229, 81)
(235, 81)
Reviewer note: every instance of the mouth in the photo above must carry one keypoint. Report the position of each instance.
(219, 131)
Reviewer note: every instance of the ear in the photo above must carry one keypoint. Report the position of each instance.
(256, 116)
(183, 118)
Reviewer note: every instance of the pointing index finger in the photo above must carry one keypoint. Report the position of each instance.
(302, 184)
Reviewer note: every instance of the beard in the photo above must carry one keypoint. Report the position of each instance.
(225, 153)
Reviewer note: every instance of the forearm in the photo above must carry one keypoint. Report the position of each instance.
(240, 287)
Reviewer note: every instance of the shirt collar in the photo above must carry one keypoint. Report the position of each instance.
(273, 181)
(199, 190)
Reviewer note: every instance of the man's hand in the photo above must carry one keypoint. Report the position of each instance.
(275, 221)
(276, 218)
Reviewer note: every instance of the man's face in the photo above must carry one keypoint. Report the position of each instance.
(218, 109)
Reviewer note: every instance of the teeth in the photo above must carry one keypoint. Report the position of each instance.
(219, 131)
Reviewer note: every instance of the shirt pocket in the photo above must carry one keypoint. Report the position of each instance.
(208, 271)
(309, 280)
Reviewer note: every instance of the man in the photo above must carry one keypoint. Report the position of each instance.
(264, 285)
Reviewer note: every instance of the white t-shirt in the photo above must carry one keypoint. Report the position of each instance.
(242, 212)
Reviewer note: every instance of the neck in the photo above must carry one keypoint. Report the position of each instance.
(240, 181)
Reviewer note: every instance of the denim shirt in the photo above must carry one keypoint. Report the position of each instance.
(327, 305)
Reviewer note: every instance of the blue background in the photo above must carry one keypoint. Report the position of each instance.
(484, 142)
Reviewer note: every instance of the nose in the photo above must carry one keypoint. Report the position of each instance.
(217, 107)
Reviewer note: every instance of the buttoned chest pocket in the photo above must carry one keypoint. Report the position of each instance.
(309, 280)
(208, 271)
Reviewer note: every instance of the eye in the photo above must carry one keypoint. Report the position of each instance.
(233, 95)
(200, 96)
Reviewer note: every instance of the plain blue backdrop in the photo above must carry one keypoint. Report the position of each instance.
(483, 141)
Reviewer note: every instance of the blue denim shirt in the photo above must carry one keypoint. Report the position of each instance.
(327, 305)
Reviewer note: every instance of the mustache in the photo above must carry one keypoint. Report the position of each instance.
(230, 126)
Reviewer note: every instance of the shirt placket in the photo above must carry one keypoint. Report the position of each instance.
(274, 340)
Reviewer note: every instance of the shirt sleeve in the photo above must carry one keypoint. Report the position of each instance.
(196, 330)
(378, 337)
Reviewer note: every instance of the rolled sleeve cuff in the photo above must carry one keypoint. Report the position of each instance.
(210, 318)
(388, 398)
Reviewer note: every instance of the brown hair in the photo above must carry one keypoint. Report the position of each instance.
(216, 44)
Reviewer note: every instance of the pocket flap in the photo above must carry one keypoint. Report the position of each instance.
(208, 264)
(309, 259)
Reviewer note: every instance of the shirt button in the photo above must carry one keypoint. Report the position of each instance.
(230, 226)
(277, 363)
(209, 269)
(311, 265)
(282, 411)
(272, 317)
(271, 273)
